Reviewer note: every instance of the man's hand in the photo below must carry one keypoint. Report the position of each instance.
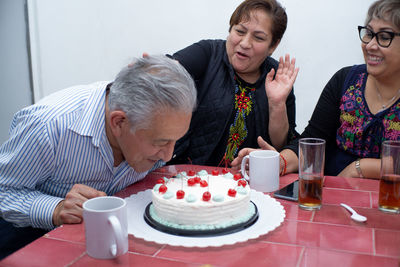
(245, 151)
(70, 209)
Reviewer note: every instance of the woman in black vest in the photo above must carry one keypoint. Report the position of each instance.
(242, 92)
(359, 108)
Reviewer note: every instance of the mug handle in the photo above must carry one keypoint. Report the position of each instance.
(116, 249)
(243, 168)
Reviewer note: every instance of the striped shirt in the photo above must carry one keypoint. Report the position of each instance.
(54, 144)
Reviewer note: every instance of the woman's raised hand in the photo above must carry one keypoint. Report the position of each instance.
(279, 88)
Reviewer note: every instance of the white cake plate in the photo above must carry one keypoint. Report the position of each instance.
(271, 214)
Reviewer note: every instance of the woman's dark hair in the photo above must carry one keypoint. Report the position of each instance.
(273, 8)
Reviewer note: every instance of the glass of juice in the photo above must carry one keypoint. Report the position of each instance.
(311, 172)
(389, 186)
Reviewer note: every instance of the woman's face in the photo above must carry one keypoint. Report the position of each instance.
(382, 62)
(249, 43)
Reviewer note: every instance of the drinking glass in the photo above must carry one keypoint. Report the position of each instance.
(389, 186)
(311, 172)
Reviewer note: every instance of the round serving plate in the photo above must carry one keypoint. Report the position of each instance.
(270, 215)
(199, 232)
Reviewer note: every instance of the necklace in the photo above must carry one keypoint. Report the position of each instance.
(385, 105)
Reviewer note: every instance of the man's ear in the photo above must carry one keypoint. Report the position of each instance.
(118, 122)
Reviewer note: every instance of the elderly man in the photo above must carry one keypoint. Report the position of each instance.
(89, 141)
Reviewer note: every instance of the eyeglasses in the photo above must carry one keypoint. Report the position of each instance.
(384, 38)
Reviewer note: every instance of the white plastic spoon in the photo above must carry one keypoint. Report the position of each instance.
(354, 215)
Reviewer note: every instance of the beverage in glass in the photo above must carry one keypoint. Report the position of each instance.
(311, 172)
(310, 192)
(389, 186)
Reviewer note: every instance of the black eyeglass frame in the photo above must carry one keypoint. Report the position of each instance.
(375, 34)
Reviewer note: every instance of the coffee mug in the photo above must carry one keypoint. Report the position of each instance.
(106, 227)
(263, 170)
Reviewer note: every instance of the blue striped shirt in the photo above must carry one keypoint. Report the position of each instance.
(54, 144)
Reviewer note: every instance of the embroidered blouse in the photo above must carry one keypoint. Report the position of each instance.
(361, 132)
(343, 119)
(239, 128)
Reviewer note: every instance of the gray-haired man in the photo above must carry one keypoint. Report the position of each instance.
(88, 141)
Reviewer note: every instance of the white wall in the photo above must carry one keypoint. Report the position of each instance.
(81, 41)
(14, 63)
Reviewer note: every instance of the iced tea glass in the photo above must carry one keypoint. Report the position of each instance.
(389, 186)
(311, 172)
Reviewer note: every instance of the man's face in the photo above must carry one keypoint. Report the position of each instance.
(143, 148)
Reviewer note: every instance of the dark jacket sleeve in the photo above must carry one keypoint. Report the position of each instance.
(291, 113)
(325, 119)
(195, 58)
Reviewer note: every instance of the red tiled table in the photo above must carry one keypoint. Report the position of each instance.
(327, 237)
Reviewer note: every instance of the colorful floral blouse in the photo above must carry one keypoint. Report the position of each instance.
(342, 117)
(361, 132)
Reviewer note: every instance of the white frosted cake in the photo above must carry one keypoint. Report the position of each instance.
(201, 201)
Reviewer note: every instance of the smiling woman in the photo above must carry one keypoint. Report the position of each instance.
(359, 107)
(248, 45)
(243, 93)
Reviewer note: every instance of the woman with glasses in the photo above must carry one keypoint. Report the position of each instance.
(359, 108)
(242, 91)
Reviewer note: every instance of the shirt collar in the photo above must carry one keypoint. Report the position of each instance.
(92, 119)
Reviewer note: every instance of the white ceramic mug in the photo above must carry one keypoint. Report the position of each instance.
(263, 170)
(106, 227)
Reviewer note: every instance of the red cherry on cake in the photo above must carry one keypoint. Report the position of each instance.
(206, 196)
(225, 170)
(237, 176)
(191, 182)
(232, 192)
(180, 194)
(215, 172)
(242, 183)
(160, 181)
(197, 179)
(162, 189)
(191, 173)
(203, 183)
